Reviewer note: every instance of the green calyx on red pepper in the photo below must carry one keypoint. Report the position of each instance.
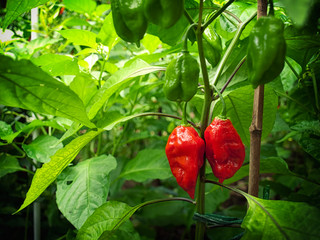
(164, 13)
(129, 20)
(266, 51)
(185, 153)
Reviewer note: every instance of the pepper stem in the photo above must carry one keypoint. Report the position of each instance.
(185, 38)
(271, 10)
(223, 112)
(184, 114)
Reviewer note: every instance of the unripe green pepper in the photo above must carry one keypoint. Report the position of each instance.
(266, 51)
(212, 46)
(164, 13)
(182, 76)
(129, 20)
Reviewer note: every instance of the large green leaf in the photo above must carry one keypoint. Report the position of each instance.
(42, 148)
(83, 85)
(274, 219)
(57, 65)
(16, 7)
(110, 216)
(125, 231)
(45, 175)
(148, 164)
(28, 87)
(80, 37)
(83, 188)
(116, 81)
(239, 109)
(80, 6)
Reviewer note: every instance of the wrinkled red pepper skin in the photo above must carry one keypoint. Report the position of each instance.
(224, 148)
(185, 153)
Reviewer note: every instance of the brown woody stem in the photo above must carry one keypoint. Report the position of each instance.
(256, 125)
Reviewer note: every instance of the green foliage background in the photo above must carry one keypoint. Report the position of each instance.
(84, 123)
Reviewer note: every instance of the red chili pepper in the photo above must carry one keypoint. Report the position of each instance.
(185, 151)
(61, 11)
(224, 148)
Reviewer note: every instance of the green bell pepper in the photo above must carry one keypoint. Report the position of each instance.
(212, 46)
(266, 51)
(129, 20)
(164, 13)
(182, 76)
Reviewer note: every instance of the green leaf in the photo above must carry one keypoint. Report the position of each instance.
(298, 11)
(28, 87)
(308, 126)
(148, 164)
(16, 7)
(57, 65)
(288, 77)
(80, 37)
(86, 186)
(39, 43)
(83, 85)
(45, 175)
(310, 144)
(116, 81)
(76, 21)
(108, 217)
(34, 124)
(80, 6)
(125, 231)
(5, 129)
(9, 164)
(273, 165)
(239, 109)
(107, 34)
(42, 148)
(274, 219)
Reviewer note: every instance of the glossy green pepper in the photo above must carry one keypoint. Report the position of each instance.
(212, 46)
(129, 20)
(182, 76)
(164, 13)
(266, 51)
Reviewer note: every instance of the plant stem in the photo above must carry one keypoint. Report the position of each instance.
(102, 70)
(184, 114)
(224, 108)
(189, 18)
(217, 14)
(200, 227)
(315, 88)
(185, 38)
(256, 125)
(233, 74)
(231, 47)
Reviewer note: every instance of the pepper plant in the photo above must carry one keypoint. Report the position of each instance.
(139, 119)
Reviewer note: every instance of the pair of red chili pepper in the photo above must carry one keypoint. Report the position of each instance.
(185, 152)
